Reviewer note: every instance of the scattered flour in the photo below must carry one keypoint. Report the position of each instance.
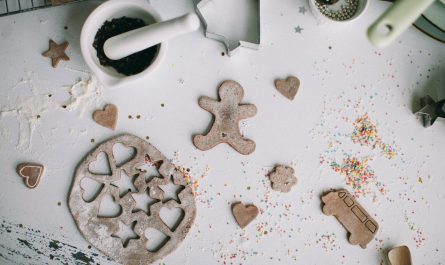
(29, 109)
(84, 94)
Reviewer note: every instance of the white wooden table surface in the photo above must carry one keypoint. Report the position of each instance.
(342, 78)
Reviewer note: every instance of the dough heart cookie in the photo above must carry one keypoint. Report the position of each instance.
(288, 87)
(106, 117)
(31, 173)
(244, 214)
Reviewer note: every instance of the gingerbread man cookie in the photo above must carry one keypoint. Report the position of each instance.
(228, 112)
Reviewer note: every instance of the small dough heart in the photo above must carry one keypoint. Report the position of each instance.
(244, 214)
(31, 173)
(106, 117)
(288, 87)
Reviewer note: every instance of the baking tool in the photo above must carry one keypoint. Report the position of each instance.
(340, 11)
(11, 7)
(431, 110)
(130, 42)
(235, 23)
(400, 256)
(424, 25)
(401, 15)
(327, 2)
(430, 21)
(107, 11)
(436, 14)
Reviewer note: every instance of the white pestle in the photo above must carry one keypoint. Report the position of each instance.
(133, 41)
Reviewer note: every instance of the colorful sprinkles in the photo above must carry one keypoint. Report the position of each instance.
(328, 242)
(365, 133)
(418, 237)
(358, 175)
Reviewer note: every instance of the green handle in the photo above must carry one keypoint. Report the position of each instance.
(395, 21)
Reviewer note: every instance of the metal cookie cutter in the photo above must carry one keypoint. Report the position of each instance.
(235, 23)
(431, 110)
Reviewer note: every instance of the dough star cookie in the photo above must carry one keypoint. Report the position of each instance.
(56, 52)
(228, 112)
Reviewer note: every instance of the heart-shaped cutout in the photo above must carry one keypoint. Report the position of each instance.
(155, 239)
(100, 166)
(31, 174)
(123, 154)
(171, 217)
(90, 189)
(106, 117)
(288, 87)
(244, 214)
(108, 207)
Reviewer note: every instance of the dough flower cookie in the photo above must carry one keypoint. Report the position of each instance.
(283, 179)
(228, 112)
(104, 231)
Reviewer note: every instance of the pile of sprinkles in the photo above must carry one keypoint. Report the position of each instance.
(358, 175)
(365, 133)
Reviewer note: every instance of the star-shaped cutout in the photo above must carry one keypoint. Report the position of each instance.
(125, 184)
(56, 52)
(126, 233)
(171, 191)
(143, 202)
(302, 9)
(298, 29)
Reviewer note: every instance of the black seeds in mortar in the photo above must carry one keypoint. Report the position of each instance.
(129, 65)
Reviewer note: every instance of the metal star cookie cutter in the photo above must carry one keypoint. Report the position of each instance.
(431, 110)
(240, 17)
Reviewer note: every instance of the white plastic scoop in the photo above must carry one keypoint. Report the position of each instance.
(130, 42)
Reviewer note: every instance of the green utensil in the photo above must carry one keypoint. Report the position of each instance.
(396, 20)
